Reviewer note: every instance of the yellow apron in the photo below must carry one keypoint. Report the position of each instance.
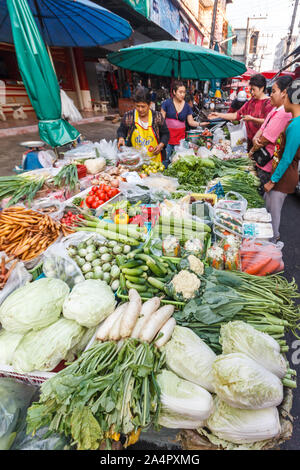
(145, 137)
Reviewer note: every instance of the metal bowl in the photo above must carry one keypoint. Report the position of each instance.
(33, 144)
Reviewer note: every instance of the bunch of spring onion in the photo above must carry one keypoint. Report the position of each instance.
(20, 188)
(67, 176)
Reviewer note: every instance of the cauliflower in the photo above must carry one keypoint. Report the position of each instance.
(196, 265)
(194, 245)
(185, 284)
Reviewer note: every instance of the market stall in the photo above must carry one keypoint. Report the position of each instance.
(135, 297)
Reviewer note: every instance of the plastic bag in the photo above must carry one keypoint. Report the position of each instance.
(232, 257)
(238, 135)
(219, 136)
(257, 215)
(42, 440)
(215, 257)
(108, 150)
(68, 108)
(132, 158)
(18, 278)
(15, 398)
(226, 221)
(181, 150)
(204, 152)
(237, 205)
(262, 231)
(82, 151)
(261, 258)
(42, 205)
(58, 264)
(159, 182)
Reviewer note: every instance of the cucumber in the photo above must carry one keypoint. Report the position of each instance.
(135, 280)
(132, 264)
(138, 287)
(133, 272)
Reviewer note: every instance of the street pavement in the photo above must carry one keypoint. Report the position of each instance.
(11, 154)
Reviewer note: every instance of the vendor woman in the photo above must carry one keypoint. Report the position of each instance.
(177, 112)
(143, 127)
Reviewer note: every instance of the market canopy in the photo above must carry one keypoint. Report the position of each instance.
(69, 23)
(269, 74)
(247, 75)
(177, 59)
(38, 76)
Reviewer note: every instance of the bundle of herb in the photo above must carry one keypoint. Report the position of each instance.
(67, 176)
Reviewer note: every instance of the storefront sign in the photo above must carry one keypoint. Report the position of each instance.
(141, 6)
(166, 15)
(195, 37)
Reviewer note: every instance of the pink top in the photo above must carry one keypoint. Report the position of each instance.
(274, 124)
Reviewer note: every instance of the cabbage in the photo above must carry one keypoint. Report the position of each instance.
(33, 306)
(184, 404)
(243, 426)
(44, 349)
(8, 344)
(89, 303)
(238, 336)
(190, 358)
(243, 383)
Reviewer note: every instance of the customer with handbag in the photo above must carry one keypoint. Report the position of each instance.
(265, 139)
(285, 173)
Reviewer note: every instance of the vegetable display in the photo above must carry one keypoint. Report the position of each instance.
(26, 234)
(20, 188)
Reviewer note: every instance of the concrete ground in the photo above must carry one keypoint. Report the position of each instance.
(11, 154)
(11, 151)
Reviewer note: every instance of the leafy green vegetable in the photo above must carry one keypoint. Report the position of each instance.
(110, 389)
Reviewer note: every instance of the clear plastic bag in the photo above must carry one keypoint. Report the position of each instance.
(215, 257)
(181, 150)
(18, 278)
(226, 221)
(219, 136)
(257, 215)
(261, 258)
(41, 440)
(108, 150)
(238, 135)
(15, 398)
(159, 182)
(232, 257)
(47, 203)
(237, 205)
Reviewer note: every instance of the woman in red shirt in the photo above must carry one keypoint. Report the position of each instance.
(254, 111)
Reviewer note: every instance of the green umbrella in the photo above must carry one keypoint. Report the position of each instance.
(177, 59)
(38, 76)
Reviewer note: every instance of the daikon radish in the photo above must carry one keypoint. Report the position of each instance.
(105, 327)
(166, 332)
(114, 334)
(155, 322)
(148, 307)
(131, 315)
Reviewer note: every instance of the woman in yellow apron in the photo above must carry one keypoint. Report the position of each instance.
(142, 127)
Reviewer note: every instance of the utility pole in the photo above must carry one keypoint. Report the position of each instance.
(289, 41)
(247, 34)
(213, 25)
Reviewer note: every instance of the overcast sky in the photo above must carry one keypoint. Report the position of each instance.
(279, 14)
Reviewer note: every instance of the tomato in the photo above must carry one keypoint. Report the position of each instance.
(101, 202)
(82, 204)
(89, 200)
(114, 192)
(110, 193)
(94, 188)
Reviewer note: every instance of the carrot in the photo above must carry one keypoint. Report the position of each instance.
(248, 258)
(257, 267)
(271, 267)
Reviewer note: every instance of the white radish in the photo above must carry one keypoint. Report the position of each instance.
(114, 334)
(155, 322)
(166, 331)
(148, 307)
(102, 333)
(131, 315)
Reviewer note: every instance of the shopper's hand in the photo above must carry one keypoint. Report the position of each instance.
(121, 143)
(247, 118)
(269, 186)
(158, 149)
(213, 115)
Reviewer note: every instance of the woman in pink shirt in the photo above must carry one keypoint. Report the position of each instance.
(272, 127)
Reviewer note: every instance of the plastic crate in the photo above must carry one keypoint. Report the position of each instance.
(37, 271)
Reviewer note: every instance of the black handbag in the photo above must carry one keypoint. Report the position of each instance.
(262, 156)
